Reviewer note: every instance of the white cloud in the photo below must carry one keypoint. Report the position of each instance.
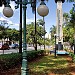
(5, 20)
(16, 26)
(1, 8)
(29, 20)
(9, 22)
(12, 4)
(1, 19)
(13, 25)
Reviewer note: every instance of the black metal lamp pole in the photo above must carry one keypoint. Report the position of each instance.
(35, 30)
(20, 29)
(55, 45)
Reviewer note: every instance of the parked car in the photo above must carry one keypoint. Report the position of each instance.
(4, 46)
(13, 46)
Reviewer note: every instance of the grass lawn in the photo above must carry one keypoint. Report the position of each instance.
(48, 65)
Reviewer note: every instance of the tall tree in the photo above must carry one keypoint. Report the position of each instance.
(31, 34)
(66, 17)
(53, 31)
(2, 32)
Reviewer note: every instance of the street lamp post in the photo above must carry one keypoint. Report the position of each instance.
(55, 44)
(20, 30)
(8, 12)
(43, 11)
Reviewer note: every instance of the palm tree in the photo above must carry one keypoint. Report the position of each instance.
(53, 31)
(2, 31)
(66, 17)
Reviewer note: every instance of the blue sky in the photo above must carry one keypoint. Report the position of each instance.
(50, 19)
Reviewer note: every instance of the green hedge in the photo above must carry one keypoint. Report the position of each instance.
(31, 55)
(8, 61)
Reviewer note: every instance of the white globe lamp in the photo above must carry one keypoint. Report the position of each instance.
(43, 10)
(8, 12)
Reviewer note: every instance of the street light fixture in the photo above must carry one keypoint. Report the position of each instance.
(55, 36)
(8, 12)
(24, 68)
(43, 11)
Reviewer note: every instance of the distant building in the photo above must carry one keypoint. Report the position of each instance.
(48, 35)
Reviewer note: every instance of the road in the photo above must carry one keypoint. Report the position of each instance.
(17, 50)
(8, 51)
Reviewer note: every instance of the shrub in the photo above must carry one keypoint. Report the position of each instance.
(31, 55)
(9, 60)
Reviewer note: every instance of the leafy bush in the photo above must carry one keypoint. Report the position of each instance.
(31, 55)
(8, 61)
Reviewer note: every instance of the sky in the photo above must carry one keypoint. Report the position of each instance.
(50, 19)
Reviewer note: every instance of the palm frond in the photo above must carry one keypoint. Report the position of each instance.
(70, 0)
